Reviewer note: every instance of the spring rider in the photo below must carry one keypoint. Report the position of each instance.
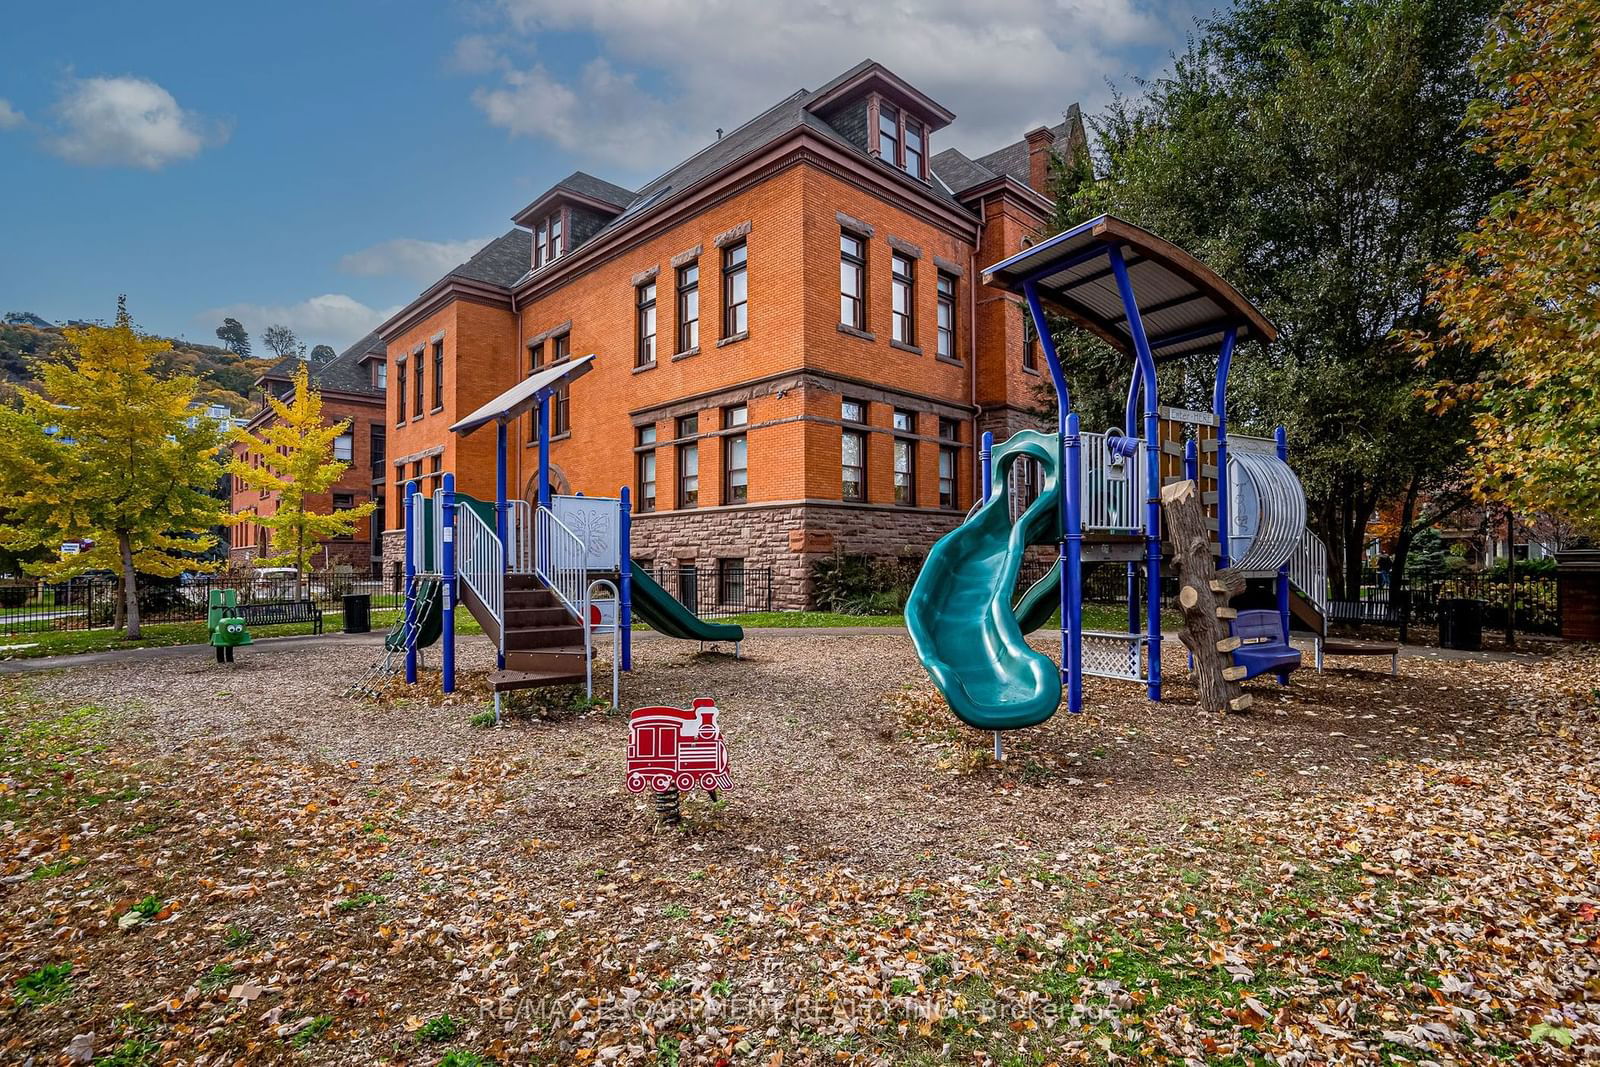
(226, 624)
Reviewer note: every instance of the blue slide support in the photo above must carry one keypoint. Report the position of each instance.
(1152, 450)
(986, 461)
(447, 590)
(625, 578)
(1219, 408)
(1071, 535)
(412, 533)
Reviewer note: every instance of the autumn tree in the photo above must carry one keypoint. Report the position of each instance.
(296, 461)
(109, 451)
(1523, 285)
(234, 338)
(281, 341)
(322, 353)
(1312, 153)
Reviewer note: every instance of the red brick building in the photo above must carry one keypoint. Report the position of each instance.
(352, 386)
(794, 353)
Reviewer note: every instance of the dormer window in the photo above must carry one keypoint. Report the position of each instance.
(902, 140)
(547, 240)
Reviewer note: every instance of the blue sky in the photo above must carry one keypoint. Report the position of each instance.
(319, 164)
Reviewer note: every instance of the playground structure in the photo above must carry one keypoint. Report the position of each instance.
(225, 625)
(543, 579)
(1099, 493)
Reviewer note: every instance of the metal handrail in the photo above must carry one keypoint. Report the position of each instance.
(480, 562)
(1308, 570)
(561, 562)
(519, 536)
(609, 595)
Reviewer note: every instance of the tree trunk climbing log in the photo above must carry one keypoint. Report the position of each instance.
(1203, 601)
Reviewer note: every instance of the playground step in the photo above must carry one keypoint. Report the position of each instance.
(523, 581)
(524, 618)
(522, 599)
(508, 680)
(543, 636)
(554, 660)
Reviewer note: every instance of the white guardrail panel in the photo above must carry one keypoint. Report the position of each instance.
(597, 522)
(1113, 486)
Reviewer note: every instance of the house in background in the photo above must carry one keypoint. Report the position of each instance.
(794, 351)
(352, 387)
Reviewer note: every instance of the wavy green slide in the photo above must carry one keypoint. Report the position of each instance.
(960, 615)
(663, 612)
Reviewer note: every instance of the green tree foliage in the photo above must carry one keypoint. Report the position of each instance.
(295, 452)
(108, 450)
(233, 337)
(281, 341)
(322, 353)
(1313, 154)
(1523, 285)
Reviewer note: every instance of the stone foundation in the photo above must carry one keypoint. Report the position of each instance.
(787, 539)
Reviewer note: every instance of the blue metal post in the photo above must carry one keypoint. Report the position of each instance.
(447, 579)
(986, 458)
(1152, 451)
(1072, 567)
(411, 605)
(625, 579)
(544, 450)
(500, 488)
(1219, 408)
(1130, 426)
(1070, 483)
(1281, 436)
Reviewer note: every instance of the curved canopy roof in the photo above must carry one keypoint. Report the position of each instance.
(1184, 305)
(525, 394)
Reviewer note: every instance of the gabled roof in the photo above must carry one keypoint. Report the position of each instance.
(582, 188)
(1013, 158)
(957, 171)
(344, 373)
(500, 262)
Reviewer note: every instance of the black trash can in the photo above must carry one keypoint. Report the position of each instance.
(1461, 624)
(358, 613)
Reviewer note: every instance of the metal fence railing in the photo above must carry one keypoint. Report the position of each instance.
(718, 592)
(89, 602)
(1417, 604)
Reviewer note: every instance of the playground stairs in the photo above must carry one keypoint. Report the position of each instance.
(543, 642)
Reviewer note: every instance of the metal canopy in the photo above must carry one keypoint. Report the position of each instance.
(1185, 306)
(525, 394)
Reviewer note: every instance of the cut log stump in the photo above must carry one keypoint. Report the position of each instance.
(1203, 600)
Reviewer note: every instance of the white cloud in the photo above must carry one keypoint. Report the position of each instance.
(10, 117)
(1003, 66)
(332, 318)
(475, 53)
(407, 257)
(127, 121)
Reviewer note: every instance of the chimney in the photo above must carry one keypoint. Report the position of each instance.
(1040, 141)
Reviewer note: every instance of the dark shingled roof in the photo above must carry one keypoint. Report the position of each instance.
(597, 189)
(957, 171)
(1013, 158)
(500, 262)
(343, 373)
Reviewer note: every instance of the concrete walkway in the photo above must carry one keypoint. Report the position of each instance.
(290, 645)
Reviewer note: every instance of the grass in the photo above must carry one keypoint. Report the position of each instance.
(46, 985)
(313, 1031)
(441, 1027)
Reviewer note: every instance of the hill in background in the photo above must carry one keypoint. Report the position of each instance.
(26, 339)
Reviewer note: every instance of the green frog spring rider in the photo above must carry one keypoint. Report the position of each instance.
(226, 624)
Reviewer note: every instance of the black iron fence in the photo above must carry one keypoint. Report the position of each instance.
(89, 602)
(718, 592)
(1531, 601)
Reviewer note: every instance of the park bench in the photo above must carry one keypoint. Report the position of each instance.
(1264, 648)
(1337, 646)
(282, 612)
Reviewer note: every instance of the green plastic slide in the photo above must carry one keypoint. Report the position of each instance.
(1040, 602)
(659, 608)
(959, 612)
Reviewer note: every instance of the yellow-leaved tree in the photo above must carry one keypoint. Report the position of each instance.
(1524, 286)
(109, 452)
(296, 461)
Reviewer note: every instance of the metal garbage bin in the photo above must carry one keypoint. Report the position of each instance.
(358, 613)
(1461, 624)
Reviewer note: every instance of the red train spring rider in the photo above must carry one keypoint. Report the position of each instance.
(676, 748)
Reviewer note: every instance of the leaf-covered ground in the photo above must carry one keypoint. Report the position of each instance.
(205, 866)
